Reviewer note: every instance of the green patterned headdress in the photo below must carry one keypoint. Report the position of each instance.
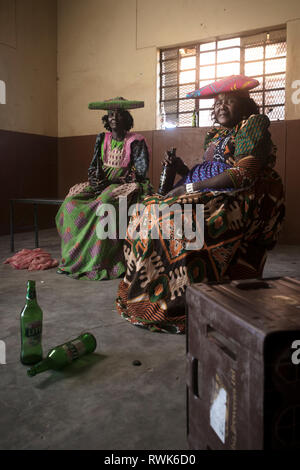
(117, 103)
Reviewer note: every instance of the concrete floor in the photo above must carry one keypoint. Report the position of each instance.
(103, 401)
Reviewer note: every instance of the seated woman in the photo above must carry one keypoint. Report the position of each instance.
(243, 210)
(118, 168)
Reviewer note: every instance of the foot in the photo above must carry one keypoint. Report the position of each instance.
(59, 271)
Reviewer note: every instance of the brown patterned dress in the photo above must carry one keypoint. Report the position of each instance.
(240, 225)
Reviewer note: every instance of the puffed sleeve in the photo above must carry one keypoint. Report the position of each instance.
(140, 159)
(252, 149)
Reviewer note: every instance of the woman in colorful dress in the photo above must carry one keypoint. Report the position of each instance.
(242, 197)
(118, 168)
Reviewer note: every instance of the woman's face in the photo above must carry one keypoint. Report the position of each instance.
(228, 109)
(116, 119)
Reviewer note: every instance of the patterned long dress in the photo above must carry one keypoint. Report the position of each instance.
(240, 225)
(91, 245)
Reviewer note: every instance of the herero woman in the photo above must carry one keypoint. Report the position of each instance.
(243, 210)
(118, 168)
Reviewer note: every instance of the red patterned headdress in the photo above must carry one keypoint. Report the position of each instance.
(239, 83)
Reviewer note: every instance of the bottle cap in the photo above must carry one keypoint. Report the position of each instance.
(90, 341)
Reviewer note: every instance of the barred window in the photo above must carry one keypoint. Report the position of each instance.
(184, 69)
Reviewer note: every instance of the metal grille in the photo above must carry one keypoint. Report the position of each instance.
(184, 69)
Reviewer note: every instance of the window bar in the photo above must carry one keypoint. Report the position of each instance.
(161, 87)
(216, 60)
(242, 66)
(216, 64)
(197, 83)
(263, 78)
(222, 48)
(259, 60)
(178, 79)
(185, 84)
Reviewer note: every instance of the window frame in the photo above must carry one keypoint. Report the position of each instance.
(175, 55)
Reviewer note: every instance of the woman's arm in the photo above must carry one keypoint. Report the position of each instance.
(139, 160)
(253, 146)
(95, 171)
(221, 181)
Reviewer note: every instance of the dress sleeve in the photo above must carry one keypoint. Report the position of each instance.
(139, 159)
(252, 149)
(209, 136)
(95, 171)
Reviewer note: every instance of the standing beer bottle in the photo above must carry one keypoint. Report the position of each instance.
(168, 174)
(194, 119)
(31, 320)
(64, 354)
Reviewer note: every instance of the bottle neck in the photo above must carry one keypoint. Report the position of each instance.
(38, 368)
(32, 303)
(31, 292)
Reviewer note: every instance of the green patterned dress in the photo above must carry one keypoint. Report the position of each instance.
(82, 224)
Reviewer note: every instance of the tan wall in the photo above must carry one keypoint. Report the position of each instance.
(98, 59)
(106, 49)
(292, 109)
(167, 22)
(28, 43)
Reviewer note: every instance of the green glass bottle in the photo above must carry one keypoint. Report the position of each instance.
(64, 354)
(31, 320)
(194, 118)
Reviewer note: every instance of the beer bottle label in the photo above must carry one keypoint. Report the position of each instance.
(33, 333)
(74, 350)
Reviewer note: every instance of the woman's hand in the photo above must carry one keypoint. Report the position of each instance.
(177, 162)
(93, 178)
(169, 159)
(94, 181)
(179, 191)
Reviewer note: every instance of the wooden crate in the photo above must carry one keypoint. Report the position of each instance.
(243, 380)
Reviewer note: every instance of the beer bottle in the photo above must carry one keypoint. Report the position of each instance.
(195, 119)
(64, 354)
(31, 320)
(168, 174)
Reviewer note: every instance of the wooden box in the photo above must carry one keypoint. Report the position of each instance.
(243, 377)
